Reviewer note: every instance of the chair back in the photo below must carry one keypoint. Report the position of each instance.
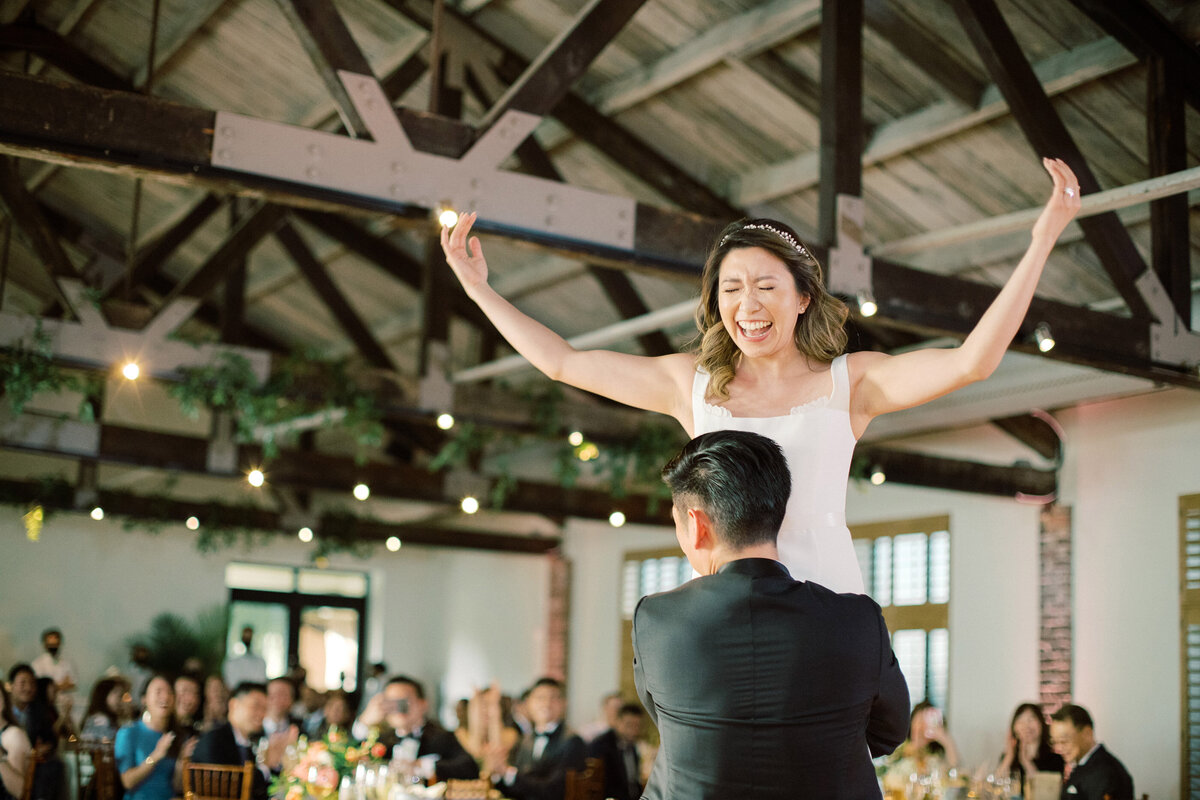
(587, 784)
(103, 782)
(458, 789)
(30, 773)
(217, 781)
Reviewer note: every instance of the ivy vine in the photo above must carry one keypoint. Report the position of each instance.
(28, 369)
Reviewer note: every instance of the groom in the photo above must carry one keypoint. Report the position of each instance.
(761, 686)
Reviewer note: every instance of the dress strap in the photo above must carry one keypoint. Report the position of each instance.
(840, 398)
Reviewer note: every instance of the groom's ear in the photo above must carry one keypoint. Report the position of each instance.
(700, 528)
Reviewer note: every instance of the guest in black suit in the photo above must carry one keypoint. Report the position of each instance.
(233, 742)
(399, 712)
(537, 768)
(617, 748)
(1092, 773)
(281, 696)
(761, 686)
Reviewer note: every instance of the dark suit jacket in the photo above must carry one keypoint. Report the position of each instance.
(1102, 774)
(453, 761)
(219, 746)
(616, 782)
(545, 778)
(766, 687)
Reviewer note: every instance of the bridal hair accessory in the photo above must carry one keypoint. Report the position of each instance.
(787, 237)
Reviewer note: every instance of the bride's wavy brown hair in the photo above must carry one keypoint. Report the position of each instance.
(820, 330)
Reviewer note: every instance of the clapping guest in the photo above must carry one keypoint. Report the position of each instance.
(929, 747)
(281, 695)
(189, 722)
(216, 702)
(1028, 749)
(537, 769)
(14, 749)
(38, 721)
(146, 751)
(482, 722)
(338, 714)
(617, 748)
(233, 742)
(107, 709)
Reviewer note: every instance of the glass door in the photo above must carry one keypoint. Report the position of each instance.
(329, 646)
(271, 632)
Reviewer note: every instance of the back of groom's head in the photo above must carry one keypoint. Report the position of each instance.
(740, 480)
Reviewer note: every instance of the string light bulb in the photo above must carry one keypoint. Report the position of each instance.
(447, 216)
(470, 505)
(1043, 337)
(393, 543)
(878, 476)
(192, 523)
(256, 478)
(361, 491)
(131, 371)
(575, 438)
(97, 513)
(445, 421)
(305, 534)
(866, 303)
(616, 519)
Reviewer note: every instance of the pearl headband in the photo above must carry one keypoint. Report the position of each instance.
(787, 237)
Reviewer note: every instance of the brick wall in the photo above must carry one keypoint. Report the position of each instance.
(1054, 676)
(558, 623)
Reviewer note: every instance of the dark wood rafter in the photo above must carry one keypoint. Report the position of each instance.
(58, 51)
(329, 45)
(1033, 432)
(319, 280)
(901, 466)
(1170, 241)
(32, 223)
(437, 287)
(914, 41)
(211, 512)
(549, 78)
(1033, 111)
(233, 308)
(841, 143)
(151, 257)
(251, 229)
(1145, 32)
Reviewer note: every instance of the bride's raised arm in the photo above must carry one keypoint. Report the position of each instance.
(659, 384)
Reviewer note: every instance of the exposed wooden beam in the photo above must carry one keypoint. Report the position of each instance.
(1145, 31)
(173, 40)
(744, 35)
(56, 49)
(151, 257)
(1058, 74)
(841, 111)
(29, 220)
(1033, 111)
(251, 229)
(329, 45)
(914, 41)
(1034, 431)
(327, 291)
(918, 469)
(550, 76)
(1170, 242)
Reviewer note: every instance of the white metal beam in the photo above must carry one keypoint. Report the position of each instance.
(1058, 74)
(746, 34)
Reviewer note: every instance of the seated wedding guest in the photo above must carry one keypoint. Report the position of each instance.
(188, 705)
(482, 721)
(60, 710)
(281, 695)
(1091, 772)
(928, 749)
(338, 714)
(761, 685)
(610, 704)
(398, 713)
(617, 748)
(108, 709)
(138, 670)
(537, 768)
(216, 702)
(1028, 749)
(312, 711)
(14, 751)
(146, 751)
(233, 742)
(37, 719)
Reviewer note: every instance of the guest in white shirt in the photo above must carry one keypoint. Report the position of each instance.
(52, 665)
(246, 668)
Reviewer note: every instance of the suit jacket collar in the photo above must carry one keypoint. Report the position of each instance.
(755, 568)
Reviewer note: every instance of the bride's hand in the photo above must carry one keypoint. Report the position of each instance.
(468, 264)
(1064, 200)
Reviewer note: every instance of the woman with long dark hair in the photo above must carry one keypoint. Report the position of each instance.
(14, 750)
(146, 750)
(1028, 747)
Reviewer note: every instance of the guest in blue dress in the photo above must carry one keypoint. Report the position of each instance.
(146, 753)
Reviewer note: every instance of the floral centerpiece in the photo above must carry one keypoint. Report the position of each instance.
(320, 766)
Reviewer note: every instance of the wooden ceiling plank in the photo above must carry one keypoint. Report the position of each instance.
(25, 213)
(56, 49)
(318, 278)
(1042, 126)
(564, 60)
(1170, 243)
(841, 142)
(924, 50)
(199, 13)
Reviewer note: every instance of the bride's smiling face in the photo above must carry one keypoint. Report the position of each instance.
(758, 301)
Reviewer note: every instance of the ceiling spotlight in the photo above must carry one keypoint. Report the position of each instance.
(877, 475)
(305, 534)
(393, 543)
(255, 477)
(616, 519)
(445, 421)
(1043, 337)
(193, 523)
(361, 491)
(470, 505)
(575, 438)
(97, 513)
(866, 303)
(447, 216)
(131, 371)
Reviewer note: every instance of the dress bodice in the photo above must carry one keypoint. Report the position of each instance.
(818, 442)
